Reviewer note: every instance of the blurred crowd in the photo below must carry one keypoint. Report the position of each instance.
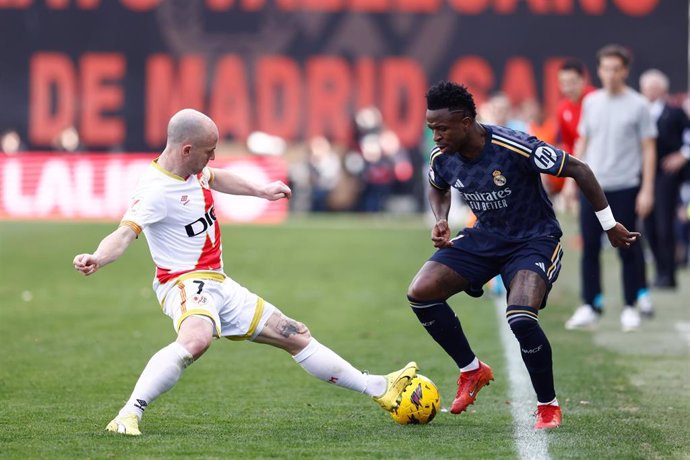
(374, 173)
(68, 140)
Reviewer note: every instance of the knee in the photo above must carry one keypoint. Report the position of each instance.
(421, 289)
(196, 345)
(522, 320)
(523, 328)
(196, 335)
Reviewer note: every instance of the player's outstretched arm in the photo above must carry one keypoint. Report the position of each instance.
(109, 250)
(584, 177)
(229, 182)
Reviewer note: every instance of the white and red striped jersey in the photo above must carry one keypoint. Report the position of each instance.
(178, 219)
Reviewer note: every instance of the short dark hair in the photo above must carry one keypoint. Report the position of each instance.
(574, 65)
(618, 51)
(451, 96)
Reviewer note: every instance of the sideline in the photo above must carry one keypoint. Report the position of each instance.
(529, 443)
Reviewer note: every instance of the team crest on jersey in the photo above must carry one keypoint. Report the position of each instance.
(499, 179)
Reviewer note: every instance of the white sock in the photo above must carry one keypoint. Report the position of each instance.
(553, 402)
(324, 364)
(161, 373)
(473, 366)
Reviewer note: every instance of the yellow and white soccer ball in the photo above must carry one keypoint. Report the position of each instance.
(419, 403)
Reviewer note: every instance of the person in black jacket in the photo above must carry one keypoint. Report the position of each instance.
(673, 158)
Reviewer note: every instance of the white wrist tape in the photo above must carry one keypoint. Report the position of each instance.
(606, 219)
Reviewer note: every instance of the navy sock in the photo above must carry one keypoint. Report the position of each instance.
(535, 349)
(440, 322)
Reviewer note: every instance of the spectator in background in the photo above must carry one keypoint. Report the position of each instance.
(617, 141)
(683, 223)
(538, 123)
(68, 140)
(673, 158)
(324, 172)
(11, 142)
(499, 111)
(683, 227)
(573, 85)
(378, 174)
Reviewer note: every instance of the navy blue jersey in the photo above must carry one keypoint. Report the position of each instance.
(503, 185)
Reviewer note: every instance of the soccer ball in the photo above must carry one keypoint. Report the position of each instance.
(419, 403)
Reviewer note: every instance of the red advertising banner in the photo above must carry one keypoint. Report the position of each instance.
(98, 187)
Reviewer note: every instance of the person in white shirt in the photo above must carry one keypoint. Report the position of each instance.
(173, 207)
(617, 142)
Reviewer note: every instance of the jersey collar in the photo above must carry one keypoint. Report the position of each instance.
(155, 164)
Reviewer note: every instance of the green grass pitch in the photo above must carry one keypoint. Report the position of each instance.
(72, 348)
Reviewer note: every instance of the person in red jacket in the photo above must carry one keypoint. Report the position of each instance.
(572, 81)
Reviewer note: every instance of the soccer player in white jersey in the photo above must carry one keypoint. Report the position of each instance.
(173, 206)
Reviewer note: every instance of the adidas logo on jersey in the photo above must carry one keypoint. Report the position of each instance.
(458, 183)
(541, 265)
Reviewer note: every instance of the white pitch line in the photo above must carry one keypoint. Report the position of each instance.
(683, 329)
(530, 443)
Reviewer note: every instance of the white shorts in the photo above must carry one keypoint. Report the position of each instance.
(236, 313)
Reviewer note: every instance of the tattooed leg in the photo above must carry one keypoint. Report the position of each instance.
(315, 358)
(288, 327)
(286, 333)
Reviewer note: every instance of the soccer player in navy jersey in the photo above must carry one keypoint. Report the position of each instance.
(497, 171)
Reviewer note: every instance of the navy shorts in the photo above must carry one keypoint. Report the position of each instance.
(478, 257)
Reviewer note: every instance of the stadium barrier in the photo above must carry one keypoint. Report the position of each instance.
(98, 187)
